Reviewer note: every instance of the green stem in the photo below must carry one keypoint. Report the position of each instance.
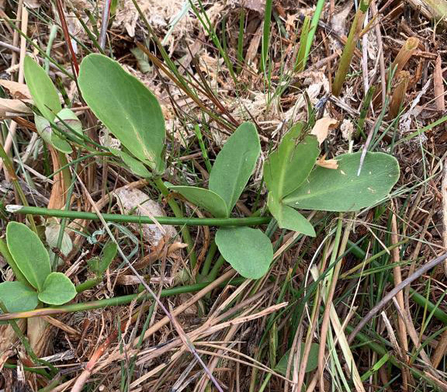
(36, 370)
(179, 214)
(164, 220)
(117, 301)
(213, 274)
(88, 284)
(209, 259)
(53, 34)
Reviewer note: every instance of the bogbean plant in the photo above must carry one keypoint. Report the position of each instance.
(294, 181)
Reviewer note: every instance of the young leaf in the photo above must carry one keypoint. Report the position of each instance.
(57, 289)
(125, 106)
(288, 218)
(46, 132)
(234, 164)
(204, 198)
(99, 265)
(18, 297)
(134, 165)
(29, 253)
(288, 167)
(249, 251)
(42, 89)
(312, 362)
(342, 189)
(67, 121)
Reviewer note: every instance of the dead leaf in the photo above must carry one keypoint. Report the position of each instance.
(327, 164)
(322, 127)
(347, 129)
(139, 203)
(59, 190)
(13, 106)
(254, 5)
(16, 90)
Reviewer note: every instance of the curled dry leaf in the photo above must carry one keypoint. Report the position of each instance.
(15, 89)
(328, 164)
(322, 127)
(135, 201)
(13, 106)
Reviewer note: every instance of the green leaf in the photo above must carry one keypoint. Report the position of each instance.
(29, 253)
(134, 165)
(18, 297)
(204, 198)
(235, 164)
(289, 166)
(57, 289)
(249, 251)
(125, 106)
(288, 218)
(342, 190)
(67, 122)
(312, 362)
(46, 132)
(42, 89)
(99, 265)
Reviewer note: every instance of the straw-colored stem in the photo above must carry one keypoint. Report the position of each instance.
(349, 48)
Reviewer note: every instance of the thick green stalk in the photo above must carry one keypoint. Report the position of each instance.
(209, 259)
(348, 51)
(88, 284)
(219, 263)
(117, 218)
(179, 214)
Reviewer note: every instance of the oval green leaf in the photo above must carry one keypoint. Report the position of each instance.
(18, 297)
(46, 132)
(134, 165)
(289, 166)
(42, 89)
(288, 218)
(342, 189)
(204, 198)
(67, 122)
(249, 251)
(235, 164)
(28, 252)
(312, 361)
(57, 289)
(125, 106)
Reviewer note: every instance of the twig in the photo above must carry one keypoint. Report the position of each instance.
(104, 24)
